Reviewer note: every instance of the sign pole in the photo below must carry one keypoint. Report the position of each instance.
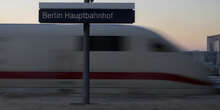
(86, 28)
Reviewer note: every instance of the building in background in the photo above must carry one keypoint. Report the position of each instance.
(213, 46)
(213, 43)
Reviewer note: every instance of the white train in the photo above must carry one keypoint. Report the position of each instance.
(125, 59)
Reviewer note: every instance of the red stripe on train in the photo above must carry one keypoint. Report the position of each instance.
(103, 75)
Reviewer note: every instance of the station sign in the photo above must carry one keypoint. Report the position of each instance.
(86, 13)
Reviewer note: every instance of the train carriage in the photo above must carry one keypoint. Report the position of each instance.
(125, 59)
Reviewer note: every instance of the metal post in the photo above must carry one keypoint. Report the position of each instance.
(86, 47)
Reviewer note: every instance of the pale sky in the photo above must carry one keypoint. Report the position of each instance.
(186, 22)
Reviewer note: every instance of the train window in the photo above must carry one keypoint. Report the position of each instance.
(106, 43)
(160, 47)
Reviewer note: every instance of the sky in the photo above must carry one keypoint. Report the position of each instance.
(187, 23)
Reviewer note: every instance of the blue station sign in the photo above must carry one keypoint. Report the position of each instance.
(85, 13)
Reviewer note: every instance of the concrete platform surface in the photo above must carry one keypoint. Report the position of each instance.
(64, 100)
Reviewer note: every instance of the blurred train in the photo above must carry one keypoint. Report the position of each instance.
(124, 59)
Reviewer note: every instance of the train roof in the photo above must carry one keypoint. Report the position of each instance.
(80, 26)
(106, 29)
